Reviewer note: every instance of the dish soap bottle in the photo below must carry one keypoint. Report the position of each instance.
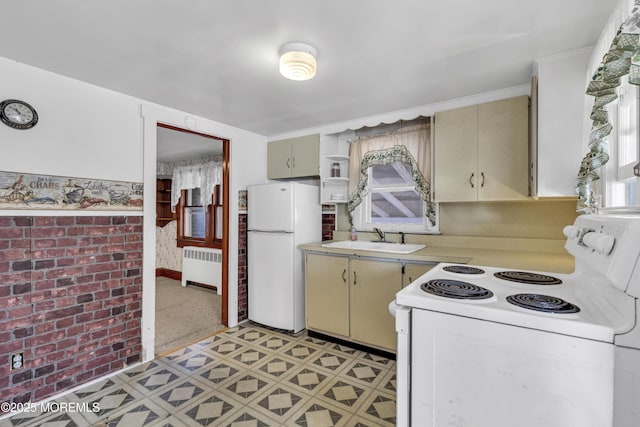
(354, 236)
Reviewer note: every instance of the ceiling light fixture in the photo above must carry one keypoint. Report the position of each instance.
(298, 61)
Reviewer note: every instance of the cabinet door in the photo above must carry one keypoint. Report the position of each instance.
(374, 285)
(305, 156)
(455, 154)
(412, 271)
(279, 159)
(503, 149)
(327, 293)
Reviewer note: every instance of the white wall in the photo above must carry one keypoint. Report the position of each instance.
(82, 130)
(561, 98)
(90, 132)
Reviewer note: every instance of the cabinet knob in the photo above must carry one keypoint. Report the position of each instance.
(482, 175)
(471, 180)
(344, 275)
(288, 163)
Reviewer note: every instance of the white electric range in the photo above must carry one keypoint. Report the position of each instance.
(494, 347)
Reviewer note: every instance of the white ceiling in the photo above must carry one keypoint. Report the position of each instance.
(219, 58)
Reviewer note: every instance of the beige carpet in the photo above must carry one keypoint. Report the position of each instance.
(184, 315)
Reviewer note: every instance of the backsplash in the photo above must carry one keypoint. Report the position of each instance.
(529, 219)
(537, 219)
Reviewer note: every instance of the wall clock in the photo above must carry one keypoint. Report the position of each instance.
(18, 114)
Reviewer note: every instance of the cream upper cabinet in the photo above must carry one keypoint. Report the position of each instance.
(294, 157)
(456, 154)
(374, 285)
(482, 152)
(327, 293)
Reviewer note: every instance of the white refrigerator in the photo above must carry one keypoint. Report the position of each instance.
(281, 216)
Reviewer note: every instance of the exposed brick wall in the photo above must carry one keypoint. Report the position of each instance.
(243, 307)
(328, 225)
(70, 299)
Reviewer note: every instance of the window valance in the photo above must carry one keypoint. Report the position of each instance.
(204, 176)
(621, 58)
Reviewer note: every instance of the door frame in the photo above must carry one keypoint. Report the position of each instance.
(225, 214)
(152, 116)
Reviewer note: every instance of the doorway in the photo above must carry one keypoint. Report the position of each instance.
(190, 216)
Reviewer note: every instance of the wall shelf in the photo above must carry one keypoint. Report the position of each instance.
(337, 157)
(335, 149)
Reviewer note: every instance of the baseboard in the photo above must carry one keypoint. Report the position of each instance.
(171, 274)
(357, 346)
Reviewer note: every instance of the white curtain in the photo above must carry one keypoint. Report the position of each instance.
(203, 176)
(416, 138)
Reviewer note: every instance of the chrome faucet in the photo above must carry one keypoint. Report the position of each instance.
(380, 233)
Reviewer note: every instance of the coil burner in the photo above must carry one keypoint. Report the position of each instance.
(545, 303)
(527, 277)
(463, 269)
(455, 289)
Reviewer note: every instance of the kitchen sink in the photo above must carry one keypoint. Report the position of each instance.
(376, 246)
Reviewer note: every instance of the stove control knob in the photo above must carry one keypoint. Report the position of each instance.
(571, 231)
(599, 242)
(605, 244)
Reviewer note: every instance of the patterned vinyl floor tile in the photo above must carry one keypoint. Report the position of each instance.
(141, 413)
(246, 376)
(211, 409)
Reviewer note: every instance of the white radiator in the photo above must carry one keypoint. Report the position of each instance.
(202, 265)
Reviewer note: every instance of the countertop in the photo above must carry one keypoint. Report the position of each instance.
(524, 254)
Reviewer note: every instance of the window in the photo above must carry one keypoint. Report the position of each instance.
(392, 198)
(391, 202)
(620, 187)
(389, 188)
(194, 215)
(199, 225)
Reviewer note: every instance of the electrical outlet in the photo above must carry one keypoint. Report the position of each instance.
(16, 361)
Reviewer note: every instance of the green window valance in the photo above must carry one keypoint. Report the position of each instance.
(623, 58)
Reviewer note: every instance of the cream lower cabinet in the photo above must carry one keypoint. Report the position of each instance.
(374, 285)
(412, 271)
(349, 297)
(327, 293)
